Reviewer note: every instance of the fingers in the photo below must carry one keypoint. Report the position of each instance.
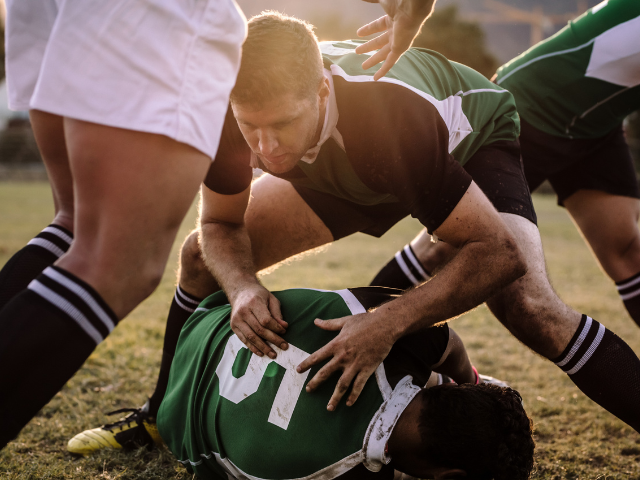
(376, 58)
(373, 44)
(242, 332)
(330, 325)
(254, 335)
(341, 388)
(315, 358)
(263, 315)
(358, 386)
(391, 60)
(274, 310)
(377, 26)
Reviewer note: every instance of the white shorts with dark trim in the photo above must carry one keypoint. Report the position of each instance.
(157, 66)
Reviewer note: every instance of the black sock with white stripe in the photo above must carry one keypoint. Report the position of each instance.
(629, 291)
(28, 263)
(183, 305)
(605, 368)
(47, 332)
(403, 271)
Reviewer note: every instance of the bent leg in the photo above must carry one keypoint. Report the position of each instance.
(602, 365)
(609, 224)
(132, 191)
(415, 263)
(54, 240)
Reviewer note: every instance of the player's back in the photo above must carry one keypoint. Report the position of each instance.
(476, 111)
(229, 411)
(582, 81)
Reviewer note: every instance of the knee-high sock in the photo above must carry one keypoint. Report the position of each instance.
(41, 251)
(629, 291)
(403, 271)
(47, 332)
(183, 305)
(605, 368)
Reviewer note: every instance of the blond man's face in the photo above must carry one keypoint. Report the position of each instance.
(281, 130)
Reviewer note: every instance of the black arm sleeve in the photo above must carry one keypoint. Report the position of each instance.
(414, 354)
(398, 143)
(231, 171)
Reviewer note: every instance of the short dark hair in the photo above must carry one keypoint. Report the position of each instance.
(481, 429)
(280, 55)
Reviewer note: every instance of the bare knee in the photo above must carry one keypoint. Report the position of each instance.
(194, 276)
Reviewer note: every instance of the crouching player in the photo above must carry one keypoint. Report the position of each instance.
(229, 413)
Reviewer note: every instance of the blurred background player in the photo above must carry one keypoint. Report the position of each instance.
(573, 92)
(127, 101)
(229, 413)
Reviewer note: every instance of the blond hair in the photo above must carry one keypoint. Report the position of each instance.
(281, 55)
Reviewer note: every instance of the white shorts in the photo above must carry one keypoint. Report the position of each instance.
(157, 66)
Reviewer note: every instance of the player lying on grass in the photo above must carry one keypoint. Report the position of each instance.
(229, 413)
(573, 92)
(345, 154)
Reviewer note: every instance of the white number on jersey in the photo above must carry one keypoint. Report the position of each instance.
(237, 389)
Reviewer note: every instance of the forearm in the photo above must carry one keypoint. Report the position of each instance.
(479, 270)
(456, 363)
(226, 250)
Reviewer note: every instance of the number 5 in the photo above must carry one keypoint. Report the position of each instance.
(237, 389)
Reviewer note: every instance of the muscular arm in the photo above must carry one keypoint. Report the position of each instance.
(488, 260)
(226, 249)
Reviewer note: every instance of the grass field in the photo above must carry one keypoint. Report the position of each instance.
(575, 438)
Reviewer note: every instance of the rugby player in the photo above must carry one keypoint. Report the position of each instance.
(127, 102)
(229, 413)
(573, 92)
(357, 155)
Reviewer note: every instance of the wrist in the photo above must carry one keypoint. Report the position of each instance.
(238, 285)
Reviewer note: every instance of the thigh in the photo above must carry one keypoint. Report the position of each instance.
(132, 192)
(49, 132)
(529, 307)
(280, 223)
(609, 223)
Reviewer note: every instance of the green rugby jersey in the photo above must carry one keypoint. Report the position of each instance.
(401, 139)
(230, 414)
(582, 81)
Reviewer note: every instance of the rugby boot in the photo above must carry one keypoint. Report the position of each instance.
(136, 430)
(493, 381)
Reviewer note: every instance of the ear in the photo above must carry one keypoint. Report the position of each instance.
(323, 91)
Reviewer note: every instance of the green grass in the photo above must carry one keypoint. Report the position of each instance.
(576, 439)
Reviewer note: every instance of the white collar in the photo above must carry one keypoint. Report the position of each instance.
(383, 423)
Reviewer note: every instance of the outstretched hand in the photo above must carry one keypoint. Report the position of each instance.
(359, 348)
(400, 26)
(256, 319)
